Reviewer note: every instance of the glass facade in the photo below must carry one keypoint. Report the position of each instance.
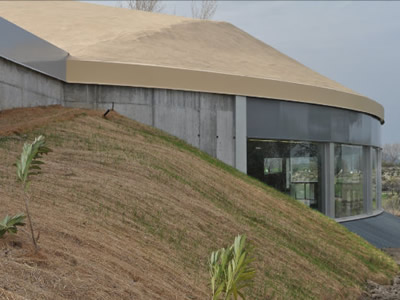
(297, 169)
(291, 167)
(328, 158)
(349, 200)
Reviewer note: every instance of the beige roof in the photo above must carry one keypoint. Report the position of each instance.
(121, 37)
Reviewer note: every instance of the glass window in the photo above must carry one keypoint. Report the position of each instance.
(291, 167)
(374, 177)
(348, 181)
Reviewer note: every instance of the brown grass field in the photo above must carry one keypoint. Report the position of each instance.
(125, 211)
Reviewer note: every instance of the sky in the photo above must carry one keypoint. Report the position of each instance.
(354, 43)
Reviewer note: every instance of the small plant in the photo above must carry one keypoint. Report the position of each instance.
(28, 165)
(230, 270)
(9, 224)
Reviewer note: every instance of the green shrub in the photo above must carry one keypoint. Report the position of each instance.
(230, 270)
(9, 224)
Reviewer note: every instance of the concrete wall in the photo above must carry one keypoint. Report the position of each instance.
(22, 87)
(204, 120)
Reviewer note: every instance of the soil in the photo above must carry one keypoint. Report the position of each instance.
(14, 122)
(385, 292)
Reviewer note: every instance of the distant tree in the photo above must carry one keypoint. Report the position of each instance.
(396, 187)
(144, 5)
(204, 9)
(391, 154)
(386, 185)
(391, 184)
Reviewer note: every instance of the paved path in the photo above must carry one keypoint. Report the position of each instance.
(382, 231)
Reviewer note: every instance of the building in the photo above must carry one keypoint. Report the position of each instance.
(206, 82)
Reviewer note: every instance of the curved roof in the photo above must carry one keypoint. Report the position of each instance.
(119, 46)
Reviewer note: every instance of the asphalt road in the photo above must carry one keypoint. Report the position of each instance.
(382, 231)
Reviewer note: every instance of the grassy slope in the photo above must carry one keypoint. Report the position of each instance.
(127, 212)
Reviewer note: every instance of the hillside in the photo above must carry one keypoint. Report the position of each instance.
(127, 212)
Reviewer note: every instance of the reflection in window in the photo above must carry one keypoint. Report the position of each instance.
(291, 167)
(272, 165)
(348, 181)
(374, 177)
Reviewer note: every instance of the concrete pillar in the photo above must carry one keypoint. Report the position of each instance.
(328, 180)
(241, 134)
(367, 179)
(379, 181)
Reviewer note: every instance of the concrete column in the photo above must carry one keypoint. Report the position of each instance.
(328, 180)
(367, 179)
(379, 181)
(241, 134)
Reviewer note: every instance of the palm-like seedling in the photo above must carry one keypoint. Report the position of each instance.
(28, 165)
(230, 270)
(9, 224)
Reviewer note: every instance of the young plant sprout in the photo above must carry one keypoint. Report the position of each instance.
(28, 165)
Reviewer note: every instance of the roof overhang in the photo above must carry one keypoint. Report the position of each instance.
(150, 76)
(22, 47)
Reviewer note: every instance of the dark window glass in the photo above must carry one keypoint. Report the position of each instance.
(291, 167)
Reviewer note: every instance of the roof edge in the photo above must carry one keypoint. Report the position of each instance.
(24, 48)
(148, 76)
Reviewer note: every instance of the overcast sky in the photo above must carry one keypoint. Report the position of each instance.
(354, 43)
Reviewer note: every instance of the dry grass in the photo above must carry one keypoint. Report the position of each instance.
(127, 212)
